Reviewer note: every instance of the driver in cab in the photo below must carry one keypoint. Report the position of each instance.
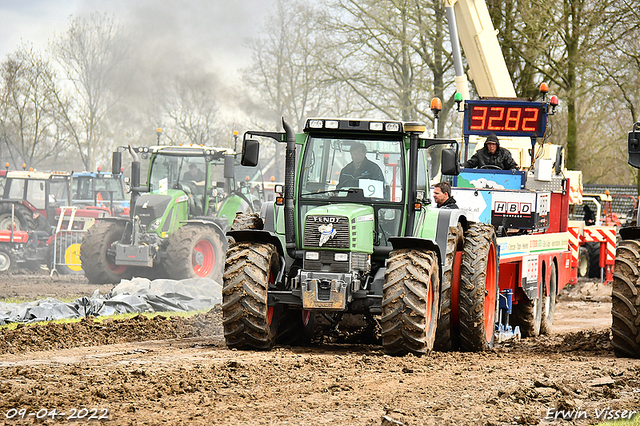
(360, 167)
(492, 156)
(194, 174)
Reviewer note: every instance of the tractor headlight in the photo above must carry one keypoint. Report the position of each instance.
(375, 126)
(154, 225)
(392, 127)
(341, 257)
(312, 255)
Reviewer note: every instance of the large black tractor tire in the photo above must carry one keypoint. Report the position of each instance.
(97, 262)
(625, 298)
(23, 217)
(594, 259)
(195, 251)
(527, 314)
(583, 262)
(247, 221)
(7, 261)
(455, 242)
(249, 323)
(478, 292)
(410, 302)
(549, 302)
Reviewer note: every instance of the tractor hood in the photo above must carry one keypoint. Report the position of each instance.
(152, 206)
(340, 226)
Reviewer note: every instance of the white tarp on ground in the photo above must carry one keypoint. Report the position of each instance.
(136, 295)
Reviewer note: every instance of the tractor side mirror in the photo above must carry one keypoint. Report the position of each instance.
(228, 166)
(450, 163)
(634, 147)
(250, 152)
(116, 162)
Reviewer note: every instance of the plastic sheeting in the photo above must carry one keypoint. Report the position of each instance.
(130, 296)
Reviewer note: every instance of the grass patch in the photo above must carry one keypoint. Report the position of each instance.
(14, 325)
(634, 421)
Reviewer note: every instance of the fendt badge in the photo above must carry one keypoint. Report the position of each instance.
(326, 233)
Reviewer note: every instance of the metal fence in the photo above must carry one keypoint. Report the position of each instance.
(624, 199)
(66, 245)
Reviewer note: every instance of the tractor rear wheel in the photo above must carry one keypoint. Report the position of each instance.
(478, 292)
(195, 252)
(594, 259)
(23, 217)
(250, 270)
(455, 242)
(625, 298)
(527, 314)
(98, 261)
(549, 302)
(7, 261)
(410, 302)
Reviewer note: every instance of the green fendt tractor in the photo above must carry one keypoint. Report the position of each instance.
(625, 293)
(359, 242)
(178, 219)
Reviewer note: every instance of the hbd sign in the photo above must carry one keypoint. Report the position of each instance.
(515, 209)
(520, 209)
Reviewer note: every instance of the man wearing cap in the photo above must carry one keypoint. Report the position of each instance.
(360, 167)
(492, 155)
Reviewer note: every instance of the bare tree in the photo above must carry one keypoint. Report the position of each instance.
(29, 132)
(190, 111)
(89, 54)
(285, 72)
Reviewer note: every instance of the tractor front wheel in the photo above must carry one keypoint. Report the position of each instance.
(23, 217)
(195, 251)
(625, 298)
(410, 302)
(250, 270)
(97, 256)
(478, 290)
(7, 261)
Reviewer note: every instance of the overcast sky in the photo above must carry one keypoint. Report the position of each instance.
(213, 29)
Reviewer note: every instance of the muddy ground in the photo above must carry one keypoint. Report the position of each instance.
(178, 371)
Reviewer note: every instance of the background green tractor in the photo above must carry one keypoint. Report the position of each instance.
(178, 218)
(347, 246)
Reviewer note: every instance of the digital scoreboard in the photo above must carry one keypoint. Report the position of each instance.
(505, 118)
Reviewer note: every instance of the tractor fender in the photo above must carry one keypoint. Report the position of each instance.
(630, 233)
(257, 236)
(268, 214)
(211, 224)
(423, 244)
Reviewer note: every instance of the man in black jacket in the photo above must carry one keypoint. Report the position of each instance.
(442, 196)
(492, 155)
(360, 167)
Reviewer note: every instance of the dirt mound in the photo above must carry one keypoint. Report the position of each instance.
(91, 332)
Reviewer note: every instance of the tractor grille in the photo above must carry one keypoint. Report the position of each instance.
(312, 233)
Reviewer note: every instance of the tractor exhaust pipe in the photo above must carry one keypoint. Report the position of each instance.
(289, 179)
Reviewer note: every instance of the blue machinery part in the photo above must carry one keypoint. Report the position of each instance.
(503, 330)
